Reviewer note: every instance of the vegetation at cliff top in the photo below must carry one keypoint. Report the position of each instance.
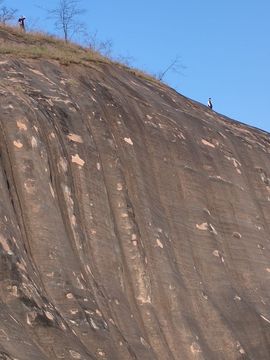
(38, 45)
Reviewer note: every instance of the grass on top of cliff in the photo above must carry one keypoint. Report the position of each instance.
(37, 45)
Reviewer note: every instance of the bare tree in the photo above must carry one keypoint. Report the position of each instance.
(66, 17)
(93, 43)
(174, 65)
(6, 14)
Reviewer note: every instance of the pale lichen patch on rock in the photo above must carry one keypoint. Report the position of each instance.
(49, 315)
(62, 165)
(128, 140)
(237, 235)
(70, 296)
(5, 245)
(98, 313)
(73, 220)
(101, 353)
(203, 226)
(159, 244)
(144, 300)
(34, 142)
(51, 190)
(9, 106)
(76, 138)
(3, 335)
(207, 143)
(119, 187)
(240, 348)
(235, 162)
(212, 229)
(52, 135)
(75, 354)
(74, 311)
(29, 186)
(21, 125)
(207, 211)
(204, 295)
(18, 144)
(93, 324)
(195, 348)
(77, 160)
(50, 274)
(265, 318)
(37, 72)
(144, 342)
(30, 317)
(216, 253)
(14, 291)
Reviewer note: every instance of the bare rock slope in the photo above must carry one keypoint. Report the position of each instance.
(134, 222)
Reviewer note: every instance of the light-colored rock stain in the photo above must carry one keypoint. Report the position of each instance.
(265, 318)
(75, 354)
(203, 226)
(195, 348)
(159, 244)
(76, 138)
(5, 245)
(216, 253)
(21, 125)
(62, 165)
(119, 187)
(49, 315)
(77, 160)
(18, 144)
(29, 186)
(34, 142)
(128, 140)
(207, 143)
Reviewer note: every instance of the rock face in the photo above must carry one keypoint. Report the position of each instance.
(134, 223)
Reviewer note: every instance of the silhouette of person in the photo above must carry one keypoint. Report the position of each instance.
(209, 104)
(21, 23)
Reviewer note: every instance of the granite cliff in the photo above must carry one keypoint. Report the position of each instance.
(134, 222)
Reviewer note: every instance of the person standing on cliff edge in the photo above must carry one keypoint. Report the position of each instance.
(209, 104)
(21, 23)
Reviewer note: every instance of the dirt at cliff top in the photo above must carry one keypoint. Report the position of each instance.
(134, 222)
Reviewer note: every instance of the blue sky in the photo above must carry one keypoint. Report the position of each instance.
(223, 46)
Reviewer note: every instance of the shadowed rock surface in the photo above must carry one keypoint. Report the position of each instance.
(134, 222)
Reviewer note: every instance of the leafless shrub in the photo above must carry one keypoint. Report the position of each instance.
(93, 43)
(175, 66)
(6, 14)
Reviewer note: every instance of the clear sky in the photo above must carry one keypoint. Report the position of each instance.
(223, 46)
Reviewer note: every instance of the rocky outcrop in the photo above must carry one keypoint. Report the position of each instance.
(134, 222)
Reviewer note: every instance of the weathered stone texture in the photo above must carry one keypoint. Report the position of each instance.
(134, 222)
